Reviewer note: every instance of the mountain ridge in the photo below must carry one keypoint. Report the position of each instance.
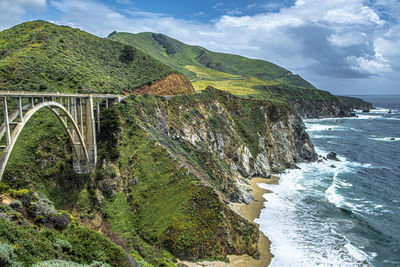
(178, 55)
(167, 166)
(41, 56)
(239, 75)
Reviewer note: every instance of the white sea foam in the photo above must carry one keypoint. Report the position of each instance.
(318, 136)
(379, 110)
(387, 139)
(322, 127)
(367, 117)
(332, 195)
(297, 237)
(356, 130)
(355, 252)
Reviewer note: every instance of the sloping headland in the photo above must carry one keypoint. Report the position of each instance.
(169, 166)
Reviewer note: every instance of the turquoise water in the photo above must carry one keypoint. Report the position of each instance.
(343, 213)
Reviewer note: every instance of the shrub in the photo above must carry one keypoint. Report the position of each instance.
(128, 54)
(62, 245)
(3, 187)
(15, 204)
(7, 256)
(108, 137)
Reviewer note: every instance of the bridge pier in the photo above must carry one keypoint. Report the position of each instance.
(75, 112)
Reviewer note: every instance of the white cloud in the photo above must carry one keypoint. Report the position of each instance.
(272, 36)
(12, 11)
(217, 5)
(354, 14)
(300, 3)
(345, 38)
(369, 66)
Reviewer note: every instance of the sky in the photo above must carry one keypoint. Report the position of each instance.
(348, 47)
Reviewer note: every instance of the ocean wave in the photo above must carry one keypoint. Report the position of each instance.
(379, 110)
(360, 116)
(387, 139)
(355, 252)
(356, 130)
(318, 136)
(344, 165)
(336, 195)
(323, 127)
(376, 116)
(289, 222)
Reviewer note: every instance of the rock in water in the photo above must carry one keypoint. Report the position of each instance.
(332, 156)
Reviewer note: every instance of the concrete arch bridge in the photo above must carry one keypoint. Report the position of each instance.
(79, 114)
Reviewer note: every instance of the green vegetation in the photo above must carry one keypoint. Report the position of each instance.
(40, 56)
(108, 136)
(163, 205)
(235, 74)
(235, 86)
(195, 61)
(154, 194)
(307, 102)
(161, 209)
(24, 246)
(245, 77)
(209, 74)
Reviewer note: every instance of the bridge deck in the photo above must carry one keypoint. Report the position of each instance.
(48, 94)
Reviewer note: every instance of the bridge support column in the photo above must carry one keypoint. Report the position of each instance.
(78, 158)
(84, 113)
(75, 112)
(90, 132)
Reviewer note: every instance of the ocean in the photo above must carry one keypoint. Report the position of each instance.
(341, 213)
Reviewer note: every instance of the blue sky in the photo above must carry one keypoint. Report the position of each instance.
(343, 46)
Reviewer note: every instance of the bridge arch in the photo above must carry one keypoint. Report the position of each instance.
(80, 150)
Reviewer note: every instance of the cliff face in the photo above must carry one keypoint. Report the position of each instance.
(162, 183)
(183, 158)
(312, 103)
(173, 84)
(355, 103)
(224, 138)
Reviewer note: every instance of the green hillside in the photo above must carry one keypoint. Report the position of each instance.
(249, 78)
(40, 56)
(228, 72)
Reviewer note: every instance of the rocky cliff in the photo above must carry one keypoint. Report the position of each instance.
(310, 103)
(164, 179)
(228, 137)
(173, 84)
(355, 103)
(193, 154)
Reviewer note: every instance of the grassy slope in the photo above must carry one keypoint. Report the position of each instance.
(77, 244)
(160, 206)
(40, 56)
(236, 74)
(224, 71)
(167, 208)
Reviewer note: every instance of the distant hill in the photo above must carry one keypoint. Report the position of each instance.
(40, 56)
(198, 63)
(251, 78)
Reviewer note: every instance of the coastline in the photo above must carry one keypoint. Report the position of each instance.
(250, 212)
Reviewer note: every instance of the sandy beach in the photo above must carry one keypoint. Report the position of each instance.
(250, 212)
